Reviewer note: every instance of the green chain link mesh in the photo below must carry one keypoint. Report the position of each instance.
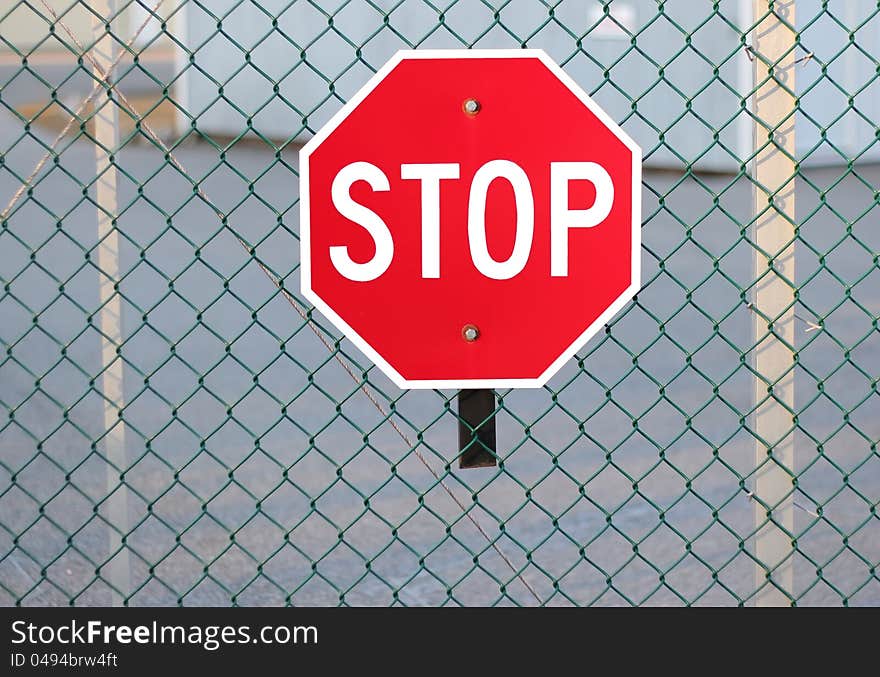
(266, 461)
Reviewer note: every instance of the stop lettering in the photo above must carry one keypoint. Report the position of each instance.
(470, 219)
(562, 217)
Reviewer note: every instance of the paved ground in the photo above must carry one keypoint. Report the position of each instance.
(228, 496)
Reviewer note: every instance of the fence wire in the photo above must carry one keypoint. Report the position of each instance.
(253, 456)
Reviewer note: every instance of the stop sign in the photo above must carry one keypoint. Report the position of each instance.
(470, 218)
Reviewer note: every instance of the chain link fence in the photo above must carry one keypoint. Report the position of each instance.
(180, 427)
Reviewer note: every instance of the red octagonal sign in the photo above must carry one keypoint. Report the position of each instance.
(470, 218)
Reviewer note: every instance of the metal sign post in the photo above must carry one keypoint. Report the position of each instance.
(476, 429)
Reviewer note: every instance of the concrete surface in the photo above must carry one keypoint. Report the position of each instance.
(231, 500)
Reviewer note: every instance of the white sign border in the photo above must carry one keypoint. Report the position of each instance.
(305, 241)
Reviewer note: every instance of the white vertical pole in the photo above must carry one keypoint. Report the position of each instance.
(851, 64)
(181, 70)
(137, 15)
(745, 77)
(774, 170)
(110, 315)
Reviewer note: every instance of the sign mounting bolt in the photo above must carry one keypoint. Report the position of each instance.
(470, 333)
(471, 106)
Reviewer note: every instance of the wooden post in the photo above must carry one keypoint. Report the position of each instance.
(774, 170)
(106, 130)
